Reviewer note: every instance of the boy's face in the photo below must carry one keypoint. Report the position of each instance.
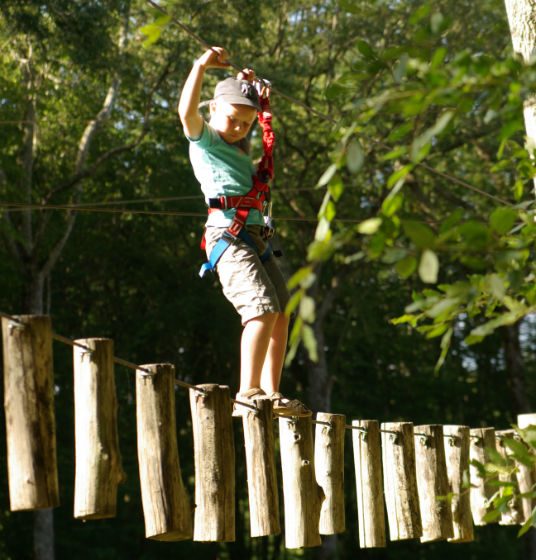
(232, 122)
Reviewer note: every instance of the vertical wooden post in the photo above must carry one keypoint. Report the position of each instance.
(329, 470)
(369, 483)
(29, 411)
(302, 495)
(261, 472)
(166, 507)
(98, 468)
(400, 481)
(525, 421)
(526, 477)
(456, 443)
(432, 483)
(513, 513)
(214, 463)
(481, 492)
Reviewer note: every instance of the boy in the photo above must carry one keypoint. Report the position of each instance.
(257, 290)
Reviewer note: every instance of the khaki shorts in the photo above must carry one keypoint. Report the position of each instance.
(254, 288)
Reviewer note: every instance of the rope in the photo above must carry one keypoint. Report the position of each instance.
(135, 367)
(19, 207)
(236, 66)
(117, 360)
(179, 383)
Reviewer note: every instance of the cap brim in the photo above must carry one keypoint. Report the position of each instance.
(239, 100)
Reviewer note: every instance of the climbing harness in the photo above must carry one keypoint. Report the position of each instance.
(258, 197)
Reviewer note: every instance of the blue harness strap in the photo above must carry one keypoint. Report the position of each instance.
(223, 244)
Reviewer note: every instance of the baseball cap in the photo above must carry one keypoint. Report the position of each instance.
(239, 92)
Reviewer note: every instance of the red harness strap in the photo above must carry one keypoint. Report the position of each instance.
(260, 191)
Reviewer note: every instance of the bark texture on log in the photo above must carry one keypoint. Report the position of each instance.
(98, 470)
(29, 411)
(166, 506)
(513, 514)
(400, 481)
(261, 471)
(329, 471)
(369, 483)
(214, 459)
(481, 439)
(456, 443)
(432, 482)
(302, 495)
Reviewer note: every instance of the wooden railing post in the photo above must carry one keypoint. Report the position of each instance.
(481, 439)
(369, 483)
(329, 470)
(400, 481)
(432, 483)
(29, 411)
(214, 463)
(98, 468)
(512, 515)
(261, 472)
(456, 442)
(302, 495)
(166, 506)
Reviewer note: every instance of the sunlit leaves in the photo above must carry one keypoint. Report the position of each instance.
(502, 219)
(406, 266)
(354, 156)
(370, 226)
(429, 267)
(153, 30)
(421, 234)
(301, 302)
(422, 144)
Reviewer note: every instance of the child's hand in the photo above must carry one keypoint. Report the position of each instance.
(246, 74)
(215, 57)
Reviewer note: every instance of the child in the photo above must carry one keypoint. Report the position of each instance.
(257, 290)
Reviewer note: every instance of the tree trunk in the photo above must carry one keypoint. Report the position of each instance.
(522, 21)
(513, 358)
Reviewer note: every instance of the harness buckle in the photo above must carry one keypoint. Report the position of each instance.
(229, 236)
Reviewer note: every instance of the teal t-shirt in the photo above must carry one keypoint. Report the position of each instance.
(222, 169)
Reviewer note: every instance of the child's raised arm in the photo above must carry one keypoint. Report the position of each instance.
(192, 121)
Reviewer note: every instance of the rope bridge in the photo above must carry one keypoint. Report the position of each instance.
(418, 478)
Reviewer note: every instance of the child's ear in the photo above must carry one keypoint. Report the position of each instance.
(212, 106)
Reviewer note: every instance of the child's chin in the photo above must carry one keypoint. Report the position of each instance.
(230, 139)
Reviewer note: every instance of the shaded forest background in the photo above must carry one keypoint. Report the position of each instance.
(87, 116)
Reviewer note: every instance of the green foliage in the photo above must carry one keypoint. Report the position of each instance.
(408, 86)
(518, 451)
(438, 155)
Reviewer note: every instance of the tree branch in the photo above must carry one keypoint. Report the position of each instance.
(29, 146)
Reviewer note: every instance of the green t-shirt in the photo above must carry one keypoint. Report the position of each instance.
(222, 169)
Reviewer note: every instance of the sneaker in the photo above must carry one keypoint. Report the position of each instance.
(247, 397)
(286, 407)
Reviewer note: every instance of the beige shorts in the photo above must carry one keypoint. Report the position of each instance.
(254, 288)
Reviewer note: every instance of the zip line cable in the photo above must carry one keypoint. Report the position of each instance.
(21, 207)
(234, 65)
(323, 116)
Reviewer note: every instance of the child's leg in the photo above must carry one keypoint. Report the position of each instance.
(275, 355)
(256, 339)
